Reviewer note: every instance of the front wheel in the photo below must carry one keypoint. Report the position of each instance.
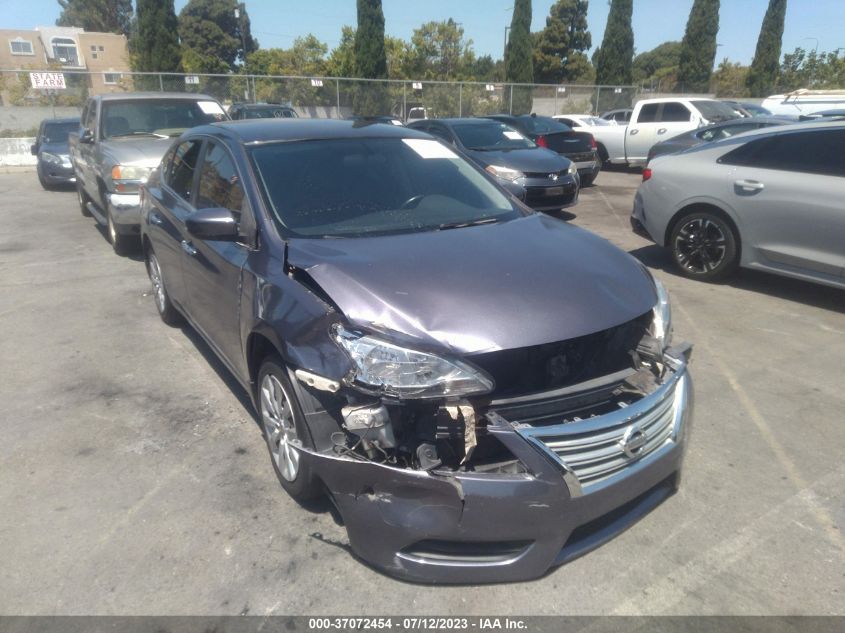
(122, 244)
(166, 310)
(82, 198)
(704, 246)
(285, 431)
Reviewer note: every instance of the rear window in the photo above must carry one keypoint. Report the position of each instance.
(376, 186)
(714, 110)
(816, 152)
(543, 125)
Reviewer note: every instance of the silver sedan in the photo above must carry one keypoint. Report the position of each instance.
(772, 200)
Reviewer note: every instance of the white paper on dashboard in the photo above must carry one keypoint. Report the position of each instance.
(210, 107)
(515, 136)
(429, 149)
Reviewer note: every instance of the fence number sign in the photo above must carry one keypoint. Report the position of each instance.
(490, 87)
(317, 83)
(47, 81)
(192, 79)
(417, 85)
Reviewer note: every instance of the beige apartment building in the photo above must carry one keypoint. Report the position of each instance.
(103, 56)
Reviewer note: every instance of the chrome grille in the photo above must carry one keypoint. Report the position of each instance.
(594, 450)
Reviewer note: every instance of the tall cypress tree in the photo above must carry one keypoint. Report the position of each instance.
(762, 76)
(103, 16)
(614, 62)
(698, 48)
(559, 51)
(370, 98)
(155, 41)
(519, 67)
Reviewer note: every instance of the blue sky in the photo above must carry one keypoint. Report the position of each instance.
(278, 22)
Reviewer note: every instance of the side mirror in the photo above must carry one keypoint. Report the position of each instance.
(34, 149)
(212, 224)
(86, 136)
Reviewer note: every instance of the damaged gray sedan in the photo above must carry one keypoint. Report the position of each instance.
(484, 392)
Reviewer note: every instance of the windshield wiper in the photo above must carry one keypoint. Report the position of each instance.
(459, 225)
(139, 133)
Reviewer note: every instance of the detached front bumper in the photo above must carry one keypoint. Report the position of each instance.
(125, 209)
(581, 488)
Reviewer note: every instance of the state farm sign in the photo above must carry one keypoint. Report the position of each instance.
(48, 81)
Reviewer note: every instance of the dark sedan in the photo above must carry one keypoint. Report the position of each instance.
(51, 148)
(540, 177)
(714, 132)
(483, 391)
(579, 147)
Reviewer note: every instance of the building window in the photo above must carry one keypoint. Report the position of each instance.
(102, 49)
(111, 78)
(94, 55)
(21, 47)
(64, 50)
(93, 48)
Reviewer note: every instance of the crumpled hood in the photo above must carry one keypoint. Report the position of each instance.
(536, 159)
(143, 151)
(524, 282)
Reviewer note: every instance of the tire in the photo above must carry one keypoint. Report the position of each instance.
(82, 198)
(43, 182)
(704, 246)
(603, 155)
(283, 426)
(587, 181)
(122, 244)
(166, 310)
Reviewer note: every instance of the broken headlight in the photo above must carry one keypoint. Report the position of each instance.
(386, 368)
(661, 321)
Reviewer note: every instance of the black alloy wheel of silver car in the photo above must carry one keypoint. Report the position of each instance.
(704, 246)
(284, 430)
(166, 310)
(82, 198)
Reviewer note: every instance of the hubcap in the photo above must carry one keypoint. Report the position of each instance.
(700, 246)
(158, 284)
(277, 417)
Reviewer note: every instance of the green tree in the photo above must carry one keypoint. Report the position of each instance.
(763, 75)
(698, 48)
(649, 65)
(439, 51)
(212, 37)
(341, 61)
(809, 69)
(729, 79)
(370, 59)
(154, 43)
(614, 61)
(103, 16)
(560, 48)
(519, 67)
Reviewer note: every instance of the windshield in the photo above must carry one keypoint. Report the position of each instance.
(491, 136)
(57, 132)
(268, 113)
(715, 110)
(543, 125)
(596, 121)
(374, 186)
(157, 117)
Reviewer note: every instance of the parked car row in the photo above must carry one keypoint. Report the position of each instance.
(369, 284)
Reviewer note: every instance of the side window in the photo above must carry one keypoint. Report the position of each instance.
(568, 122)
(674, 112)
(648, 113)
(89, 119)
(814, 152)
(220, 185)
(180, 172)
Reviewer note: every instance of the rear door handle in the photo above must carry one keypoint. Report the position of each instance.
(662, 130)
(750, 185)
(155, 218)
(634, 131)
(188, 248)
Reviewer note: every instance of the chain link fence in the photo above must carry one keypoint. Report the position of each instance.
(23, 107)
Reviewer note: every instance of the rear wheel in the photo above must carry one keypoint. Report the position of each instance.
(285, 431)
(704, 246)
(82, 198)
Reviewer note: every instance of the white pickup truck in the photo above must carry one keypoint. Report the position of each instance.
(652, 121)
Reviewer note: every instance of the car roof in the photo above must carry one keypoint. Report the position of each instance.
(64, 120)
(253, 131)
(128, 96)
(467, 120)
(772, 120)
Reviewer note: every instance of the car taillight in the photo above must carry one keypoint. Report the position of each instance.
(541, 141)
(646, 174)
(593, 144)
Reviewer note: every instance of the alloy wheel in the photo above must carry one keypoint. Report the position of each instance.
(158, 283)
(700, 245)
(279, 427)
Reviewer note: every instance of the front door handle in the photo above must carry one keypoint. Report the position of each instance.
(188, 248)
(155, 218)
(662, 130)
(750, 185)
(634, 131)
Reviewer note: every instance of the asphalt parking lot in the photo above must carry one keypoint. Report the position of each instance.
(134, 479)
